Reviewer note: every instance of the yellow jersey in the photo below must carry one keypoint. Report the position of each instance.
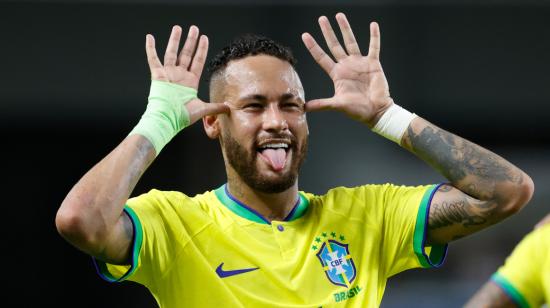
(333, 250)
(525, 276)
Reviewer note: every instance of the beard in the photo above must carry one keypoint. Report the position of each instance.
(244, 163)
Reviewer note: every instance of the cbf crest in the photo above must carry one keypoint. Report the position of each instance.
(335, 259)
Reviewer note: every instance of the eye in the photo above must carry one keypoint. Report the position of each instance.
(293, 106)
(253, 106)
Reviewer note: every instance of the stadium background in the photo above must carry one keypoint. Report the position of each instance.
(74, 82)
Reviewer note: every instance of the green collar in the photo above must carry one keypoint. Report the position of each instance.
(244, 211)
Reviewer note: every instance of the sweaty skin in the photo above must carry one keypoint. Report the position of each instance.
(266, 101)
(266, 104)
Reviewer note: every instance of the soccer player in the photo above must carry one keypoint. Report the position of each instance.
(524, 279)
(258, 241)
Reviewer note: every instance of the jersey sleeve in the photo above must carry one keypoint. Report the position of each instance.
(405, 218)
(157, 232)
(520, 276)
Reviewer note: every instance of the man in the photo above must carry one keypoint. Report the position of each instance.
(258, 241)
(524, 280)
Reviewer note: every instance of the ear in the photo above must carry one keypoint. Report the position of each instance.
(211, 125)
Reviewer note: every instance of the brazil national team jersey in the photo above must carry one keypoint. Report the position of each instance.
(333, 250)
(525, 276)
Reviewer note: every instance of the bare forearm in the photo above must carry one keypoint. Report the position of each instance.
(470, 168)
(95, 203)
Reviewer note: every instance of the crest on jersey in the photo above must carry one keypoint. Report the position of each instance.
(337, 262)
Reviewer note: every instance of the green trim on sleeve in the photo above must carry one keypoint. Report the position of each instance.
(437, 252)
(137, 241)
(510, 290)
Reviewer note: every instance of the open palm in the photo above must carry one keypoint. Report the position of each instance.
(360, 86)
(184, 69)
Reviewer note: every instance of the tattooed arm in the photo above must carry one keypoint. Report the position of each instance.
(484, 188)
(490, 295)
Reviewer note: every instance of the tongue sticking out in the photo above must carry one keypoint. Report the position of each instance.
(276, 157)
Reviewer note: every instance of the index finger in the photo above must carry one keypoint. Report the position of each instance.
(374, 44)
(317, 52)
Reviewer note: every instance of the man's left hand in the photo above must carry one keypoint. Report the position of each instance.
(360, 87)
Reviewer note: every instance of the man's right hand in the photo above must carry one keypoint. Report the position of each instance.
(91, 216)
(184, 69)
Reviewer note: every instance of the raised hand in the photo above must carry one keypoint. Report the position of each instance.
(184, 69)
(360, 87)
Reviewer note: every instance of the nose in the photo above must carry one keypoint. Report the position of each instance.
(274, 119)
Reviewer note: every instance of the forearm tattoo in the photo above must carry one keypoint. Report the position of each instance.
(471, 168)
(463, 210)
(475, 171)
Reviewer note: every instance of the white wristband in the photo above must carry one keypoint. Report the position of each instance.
(394, 122)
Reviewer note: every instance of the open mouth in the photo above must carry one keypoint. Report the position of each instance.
(274, 153)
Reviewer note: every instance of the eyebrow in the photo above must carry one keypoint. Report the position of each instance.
(260, 97)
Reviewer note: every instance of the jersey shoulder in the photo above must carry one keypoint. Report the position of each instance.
(174, 208)
(354, 202)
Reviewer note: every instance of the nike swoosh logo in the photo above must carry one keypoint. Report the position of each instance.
(224, 274)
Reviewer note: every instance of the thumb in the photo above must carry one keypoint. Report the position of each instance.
(320, 104)
(214, 108)
(198, 109)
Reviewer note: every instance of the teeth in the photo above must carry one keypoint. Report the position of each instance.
(275, 146)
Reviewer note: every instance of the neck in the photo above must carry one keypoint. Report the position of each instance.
(272, 206)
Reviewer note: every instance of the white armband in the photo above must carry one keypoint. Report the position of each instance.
(394, 122)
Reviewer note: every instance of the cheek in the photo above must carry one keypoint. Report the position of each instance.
(301, 124)
(241, 120)
(243, 128)
(302, 121)
(300, 127)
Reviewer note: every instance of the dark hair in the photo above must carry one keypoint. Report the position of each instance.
(249, 45)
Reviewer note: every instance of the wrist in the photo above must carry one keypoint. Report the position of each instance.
(166, 114)
(376, 118)
(393, 123)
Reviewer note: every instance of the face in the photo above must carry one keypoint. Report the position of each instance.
(264, 137)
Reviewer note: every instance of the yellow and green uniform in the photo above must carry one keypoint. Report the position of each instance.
(525, 276)
(336, 249)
